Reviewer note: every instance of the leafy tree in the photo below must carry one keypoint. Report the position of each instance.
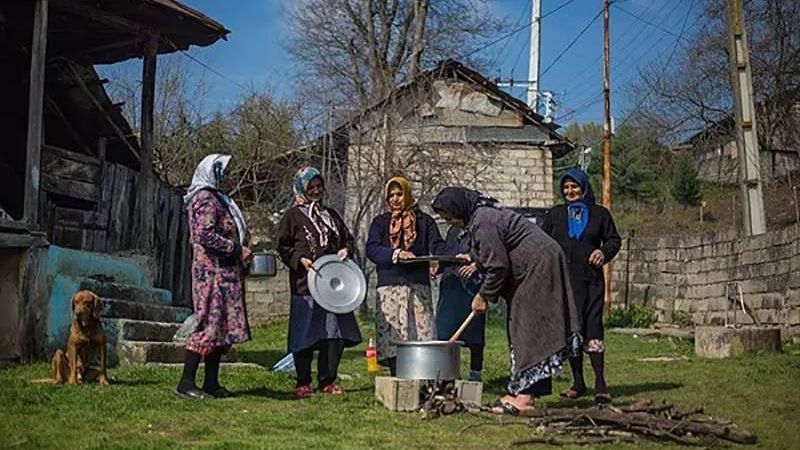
(685, 183)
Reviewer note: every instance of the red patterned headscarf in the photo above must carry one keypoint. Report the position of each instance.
(403, 223)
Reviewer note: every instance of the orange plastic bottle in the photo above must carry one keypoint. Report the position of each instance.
(372, 357)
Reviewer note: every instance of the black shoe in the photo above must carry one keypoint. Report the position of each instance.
(191, 392)
(218, 392)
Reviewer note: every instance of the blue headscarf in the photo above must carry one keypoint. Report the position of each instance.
(578, 211)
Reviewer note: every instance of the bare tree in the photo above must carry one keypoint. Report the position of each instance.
(354, 52)
(693, 92)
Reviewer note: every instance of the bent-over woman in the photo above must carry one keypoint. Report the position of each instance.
(528, 269)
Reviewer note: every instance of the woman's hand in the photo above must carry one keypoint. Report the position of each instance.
(246, 256)
(468, 271)
(479, 304)
(343, 254)
(405, 254)
(597, 258)
(307, 264)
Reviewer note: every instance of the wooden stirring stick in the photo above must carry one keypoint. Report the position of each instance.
(463, 327)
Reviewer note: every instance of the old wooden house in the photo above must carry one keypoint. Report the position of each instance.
(81, 205)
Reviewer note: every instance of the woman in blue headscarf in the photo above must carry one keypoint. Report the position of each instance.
(589, 238)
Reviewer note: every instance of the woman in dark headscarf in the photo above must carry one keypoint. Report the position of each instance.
(527, 268)
(404, 309)
(307, 231)
(588, 236)
(219, 238)
(457, 287)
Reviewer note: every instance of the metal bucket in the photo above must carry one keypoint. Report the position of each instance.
(263, 265)
(429, 360)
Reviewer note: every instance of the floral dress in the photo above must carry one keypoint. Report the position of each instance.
(217, 276)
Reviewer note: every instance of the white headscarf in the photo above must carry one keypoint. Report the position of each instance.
(208, 175)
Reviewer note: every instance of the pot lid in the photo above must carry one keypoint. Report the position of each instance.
(338, 286)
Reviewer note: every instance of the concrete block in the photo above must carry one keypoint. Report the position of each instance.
(469, 391)
(398, 394)
(722, 342)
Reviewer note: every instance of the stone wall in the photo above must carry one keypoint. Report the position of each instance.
(721, 164)
(268, 297)
(702, 275)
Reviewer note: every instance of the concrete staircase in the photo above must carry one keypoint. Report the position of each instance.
(138, 319)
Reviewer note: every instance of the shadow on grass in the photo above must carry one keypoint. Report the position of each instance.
(266, 392)
(118, 382)
(497, 386)
(269, 357)
(266, 358)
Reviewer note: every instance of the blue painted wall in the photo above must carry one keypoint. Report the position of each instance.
(59, 272)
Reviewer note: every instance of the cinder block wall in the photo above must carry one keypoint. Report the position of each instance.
(700, 274)
(268, 297)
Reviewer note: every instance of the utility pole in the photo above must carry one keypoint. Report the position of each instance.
(607, 138)
(746, 131)
(533, 64)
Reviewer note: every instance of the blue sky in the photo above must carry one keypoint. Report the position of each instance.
(253, 53)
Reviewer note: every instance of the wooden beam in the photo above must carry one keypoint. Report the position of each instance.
(82, 84)
(70, 170)
(146, 186)
(71, 188)
(33, 146)
(70, 155)
(98, 15)
(11, 240)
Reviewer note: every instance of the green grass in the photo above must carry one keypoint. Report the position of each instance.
(140, 411)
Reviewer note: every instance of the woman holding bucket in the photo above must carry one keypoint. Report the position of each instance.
(528, 269)
(308, 230)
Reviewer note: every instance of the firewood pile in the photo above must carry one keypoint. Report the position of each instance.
(439, 399)
(640, 420)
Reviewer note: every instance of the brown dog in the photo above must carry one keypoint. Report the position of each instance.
(86, 336)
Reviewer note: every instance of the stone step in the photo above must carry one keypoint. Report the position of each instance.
(140, 330)
(123, 309)
(122, 291)
(135, 353)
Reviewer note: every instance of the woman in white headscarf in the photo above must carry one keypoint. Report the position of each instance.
(219, 239)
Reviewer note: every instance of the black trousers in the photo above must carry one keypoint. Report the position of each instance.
(330, 354)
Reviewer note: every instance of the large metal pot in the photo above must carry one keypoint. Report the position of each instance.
(263, 265)
(429, 360)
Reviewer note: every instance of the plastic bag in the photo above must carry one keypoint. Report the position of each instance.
(189, 326)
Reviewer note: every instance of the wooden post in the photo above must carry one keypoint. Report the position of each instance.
(607, 133)
(33, 147)
(145, 200)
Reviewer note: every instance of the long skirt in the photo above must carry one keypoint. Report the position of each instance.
(310, 323)
(526, 381)
(403, 313)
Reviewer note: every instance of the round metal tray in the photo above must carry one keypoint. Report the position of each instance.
(338, 286)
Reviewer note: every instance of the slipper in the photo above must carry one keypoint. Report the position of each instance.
(333, 389)
(505, 409)
(572, 393)
(602, 398)
(304, 391)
